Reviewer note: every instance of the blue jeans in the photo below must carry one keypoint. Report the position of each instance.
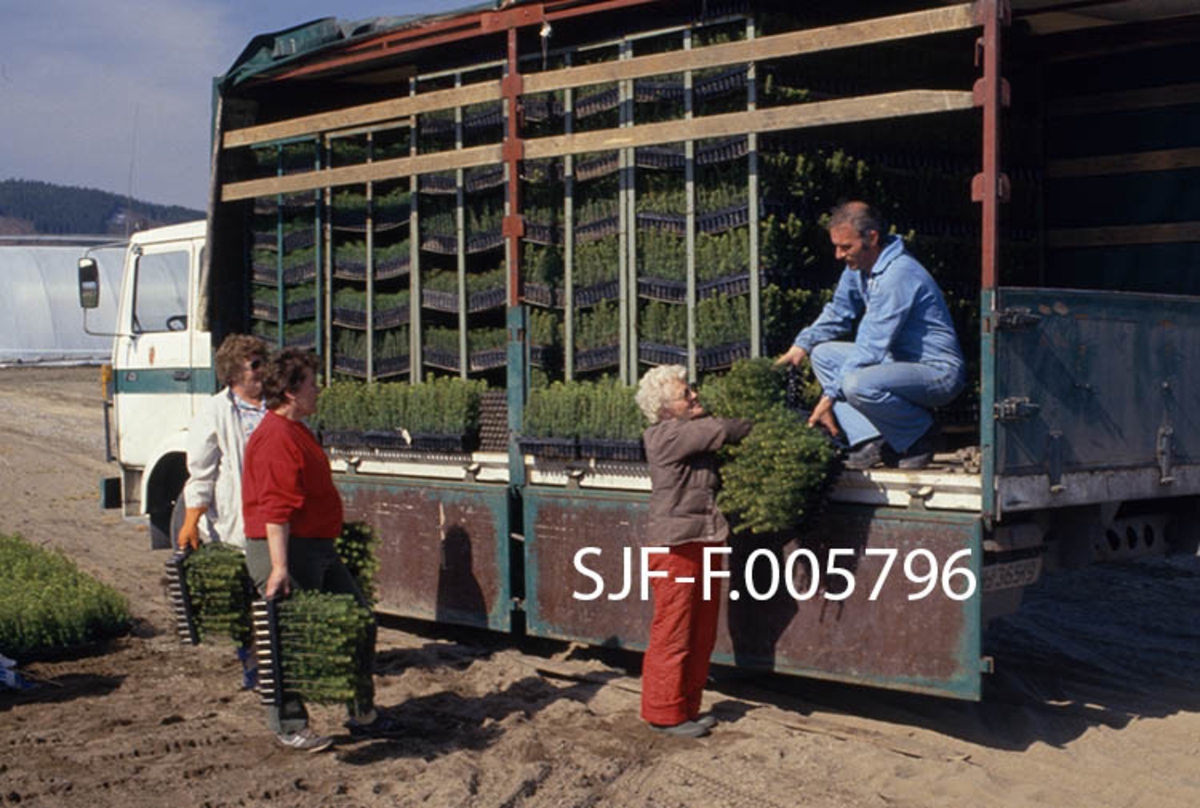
(892, 399)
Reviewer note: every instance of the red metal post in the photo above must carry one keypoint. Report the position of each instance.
(514, 152)
(990, 186)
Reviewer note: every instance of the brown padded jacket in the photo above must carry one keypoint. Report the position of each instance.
(684, 479)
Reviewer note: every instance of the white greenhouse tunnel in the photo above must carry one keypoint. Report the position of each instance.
(40, 318)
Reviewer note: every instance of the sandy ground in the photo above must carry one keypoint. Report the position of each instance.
(1095, 702)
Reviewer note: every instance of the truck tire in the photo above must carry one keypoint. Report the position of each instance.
(165, 524)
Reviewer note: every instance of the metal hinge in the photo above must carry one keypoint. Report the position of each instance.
(1165, 452)
(1015, 409)
(1014, 319)
(1054, 462)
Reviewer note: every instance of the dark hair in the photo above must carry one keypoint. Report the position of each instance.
(233, 354)
(859, 215)
(285, 372)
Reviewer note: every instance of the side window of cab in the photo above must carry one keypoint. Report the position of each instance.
(160, 292)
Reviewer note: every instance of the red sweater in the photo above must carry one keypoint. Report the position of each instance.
(286, 481)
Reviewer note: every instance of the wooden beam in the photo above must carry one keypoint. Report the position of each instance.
(778, 46)
(367, 172)
(1164, 160)
(1124, 235)
(798, 116)
(325, 122)
(1166, 96)
(884, 29)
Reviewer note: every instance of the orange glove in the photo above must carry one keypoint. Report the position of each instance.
(189, 531)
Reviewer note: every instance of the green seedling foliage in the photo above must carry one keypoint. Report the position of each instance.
(350, 344)
(221, 591)
(341, 407)
(47, 604)
(442, 339)
(357, 547)
(776, 478)
(322, 639)
(545, 328)
(603, 409)
(388, 405)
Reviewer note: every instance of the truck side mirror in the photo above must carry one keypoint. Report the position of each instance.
(89, 283)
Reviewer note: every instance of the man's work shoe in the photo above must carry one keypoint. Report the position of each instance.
(685, 729)
(866, 455)
(920, 454)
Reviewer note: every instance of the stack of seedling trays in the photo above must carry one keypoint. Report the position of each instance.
(211, 591)
(311, 645)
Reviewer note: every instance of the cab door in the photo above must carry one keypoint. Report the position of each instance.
(153, 373)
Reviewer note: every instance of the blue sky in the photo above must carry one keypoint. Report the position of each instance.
(87, 84)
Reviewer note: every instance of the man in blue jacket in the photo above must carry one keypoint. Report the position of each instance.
(905, 359)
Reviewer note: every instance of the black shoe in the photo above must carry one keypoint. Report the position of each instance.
(866, 455)
(384, 726)
(685, 729)
(920, 454)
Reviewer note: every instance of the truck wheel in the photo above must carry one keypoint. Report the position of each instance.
(165, 524)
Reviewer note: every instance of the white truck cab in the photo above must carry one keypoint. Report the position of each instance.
(161, 370)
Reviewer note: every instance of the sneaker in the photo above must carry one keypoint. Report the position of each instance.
(920, 454)
(305, 740)
(384, 726)
(685, 729)
(706, 720)
(866, 455)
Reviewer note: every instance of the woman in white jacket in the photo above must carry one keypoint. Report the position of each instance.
(216, 444)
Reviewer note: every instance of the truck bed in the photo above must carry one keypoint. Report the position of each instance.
(952, 482)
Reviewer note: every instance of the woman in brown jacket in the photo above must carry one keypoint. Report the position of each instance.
(680, 447)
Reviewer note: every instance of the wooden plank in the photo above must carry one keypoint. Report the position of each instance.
(326, 122)
(367, 172)
(1124, 235)
(884, 29)
(1167, 96)
(1163, 160)
(778, 46)
(798, 116)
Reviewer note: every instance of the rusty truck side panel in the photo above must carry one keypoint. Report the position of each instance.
(443, 550)
(927, 645)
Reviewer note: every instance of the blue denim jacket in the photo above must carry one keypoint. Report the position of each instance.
(904, 316)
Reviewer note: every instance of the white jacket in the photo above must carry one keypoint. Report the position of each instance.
(215, 450)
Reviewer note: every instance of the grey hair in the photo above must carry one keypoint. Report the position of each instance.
(859, 215)
(654, 390)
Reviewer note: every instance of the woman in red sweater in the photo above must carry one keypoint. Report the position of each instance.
(293, 516)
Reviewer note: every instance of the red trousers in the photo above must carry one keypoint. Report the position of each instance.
(682, 635)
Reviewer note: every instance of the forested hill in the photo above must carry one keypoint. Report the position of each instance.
(29, 207)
